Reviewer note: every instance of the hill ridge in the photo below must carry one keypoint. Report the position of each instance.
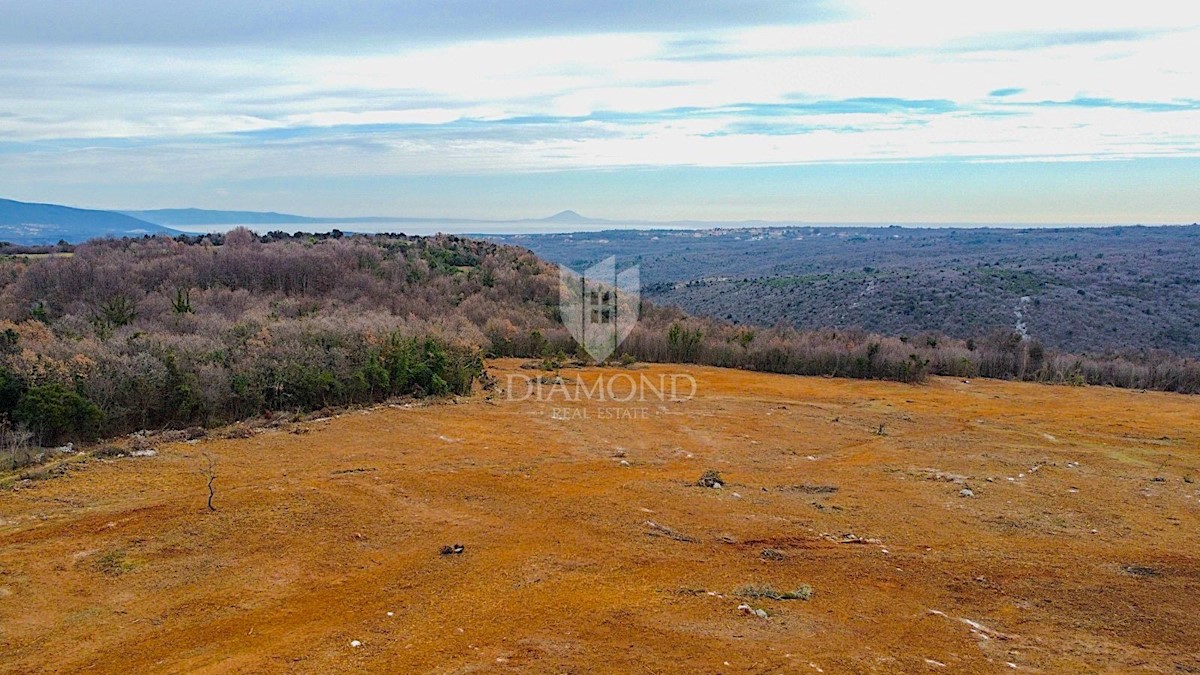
(40, 223)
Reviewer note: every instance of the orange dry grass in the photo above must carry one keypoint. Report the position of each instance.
(119, 566)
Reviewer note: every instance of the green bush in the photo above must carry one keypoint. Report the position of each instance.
(12, 388)
(56, 413)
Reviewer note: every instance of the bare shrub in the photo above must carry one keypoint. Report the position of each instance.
(16, 447)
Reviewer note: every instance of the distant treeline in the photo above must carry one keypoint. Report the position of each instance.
(157, 332)
(858, 354)
(9, 248)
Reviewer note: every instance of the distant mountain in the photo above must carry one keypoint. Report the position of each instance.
(26, 223)
(186, 217)
(569, 216)
(208, 217)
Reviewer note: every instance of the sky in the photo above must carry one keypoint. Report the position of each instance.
(838, 111)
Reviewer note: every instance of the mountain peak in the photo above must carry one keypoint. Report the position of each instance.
(567, 216)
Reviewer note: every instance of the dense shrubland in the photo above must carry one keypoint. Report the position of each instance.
(1096, 291)
(858, 354)
(154, 333)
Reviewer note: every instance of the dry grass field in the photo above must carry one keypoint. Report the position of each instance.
(955, 526)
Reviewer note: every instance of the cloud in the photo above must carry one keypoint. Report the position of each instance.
(1026, 41)
(216, 92)
(241, 22)
(777, 129)
(869, 104)
(1141, 106)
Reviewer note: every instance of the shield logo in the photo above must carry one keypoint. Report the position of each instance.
(600, 307)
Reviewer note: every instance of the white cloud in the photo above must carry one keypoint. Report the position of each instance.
(495, 105)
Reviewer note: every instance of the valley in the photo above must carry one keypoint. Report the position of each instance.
(1081, 290)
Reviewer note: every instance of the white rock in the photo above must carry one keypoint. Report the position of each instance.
(355, 643)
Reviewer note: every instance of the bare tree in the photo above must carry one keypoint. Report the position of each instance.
(15, 446)
(210, 472)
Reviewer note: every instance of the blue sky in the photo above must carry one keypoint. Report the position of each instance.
(822, 111)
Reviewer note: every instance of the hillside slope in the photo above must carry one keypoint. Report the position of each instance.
(28, 223)
(154, 333)
(1083, 290)
(589, 548)
(186, 217)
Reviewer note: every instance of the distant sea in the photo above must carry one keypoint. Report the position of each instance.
(424, 227)
(468, 227)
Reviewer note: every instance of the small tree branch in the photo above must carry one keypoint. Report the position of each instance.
(211, 473)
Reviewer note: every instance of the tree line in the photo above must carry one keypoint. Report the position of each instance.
(158, 332)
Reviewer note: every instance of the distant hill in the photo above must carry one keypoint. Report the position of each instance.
(27, 223)
(204, 217)
(569, 216)
(186, 217)
(258, 220)
(1091, 290)
(208, 217)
